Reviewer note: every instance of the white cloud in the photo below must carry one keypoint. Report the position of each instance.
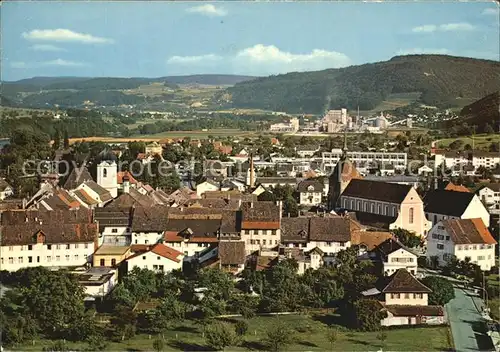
(413, 51)
(56, 62)
(46, 47)
(425, 28)
(208, 10)
(63, 35)
(266, 59)
(193, 59)
(447, 27)
(491, 11)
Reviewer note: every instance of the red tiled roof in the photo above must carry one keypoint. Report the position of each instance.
(457, 188)
(260, 225)
(167, 252)
(121, 174)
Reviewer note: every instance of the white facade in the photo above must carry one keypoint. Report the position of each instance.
(310, 197)
(329, 248)
(400, 259)
(407, 299)
(190, 249)
(146, 237)
(399, 160)
(153, 261)
(13, 258)
(6, 192)
(205, 187)
(440, 245)
(260, 239)
(488, 196)
(115, 235)
(107, 177)
(474, 210)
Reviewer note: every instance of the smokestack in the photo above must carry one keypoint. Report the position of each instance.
(126, 184)
(252, 172)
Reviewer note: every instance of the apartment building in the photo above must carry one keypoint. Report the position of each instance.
(398, 160)
(261, 225)
(462, 238)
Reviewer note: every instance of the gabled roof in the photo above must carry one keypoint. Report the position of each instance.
(374, 190)
(85, 197)
(112, 217)
(23, 234)
(121, 174)
(260, 215)
(413, 311)
(77, 177)
(457, 188)
(167, 252)
(468, 231)
(103, 193)
(316, 185)
(232, 252)
(369, 239)
(404, 282)
(150, 219)
(495, 187)
(447, 202)
(295, 229)
(325, 229)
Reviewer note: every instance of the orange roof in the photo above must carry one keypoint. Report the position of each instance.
(86, 197)
(140, 248)
(172, 236)
(369, 239)
(483, 231)
(121, 174)
(457, 188)
(260, 225)
(68, 200)
(167, 252)
(275, 141)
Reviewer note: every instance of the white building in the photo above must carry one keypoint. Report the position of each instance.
(6, 190)
(395, 256)
(398, 160)
(107, 177)
(46, 238)
(310, 192)
(157, 257)
(205, 186)
(489, 194)
(261, 225)
(462, 238)
(443, 205)
(97, 282)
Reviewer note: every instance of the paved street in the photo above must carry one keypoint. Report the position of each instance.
(467, 324)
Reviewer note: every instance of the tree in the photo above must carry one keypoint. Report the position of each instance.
(457, 144)
(488, 129)
(278, 337)
(367, 313)
(158, 345)
(57, 140)
(124, 322)
(290, 207)
(241, 327)
(332, 336)
(266, 196)
(407, 238)
(220, 335)
(66, 140)
(442, 290)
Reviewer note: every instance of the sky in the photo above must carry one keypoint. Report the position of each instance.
(153, 39)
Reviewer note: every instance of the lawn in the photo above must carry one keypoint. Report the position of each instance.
(309, 334)
(481, 141)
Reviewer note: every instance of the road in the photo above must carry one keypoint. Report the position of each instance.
(467, 324)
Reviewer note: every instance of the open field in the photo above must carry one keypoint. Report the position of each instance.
(481, 141)
(309, 334)
(200, 134)
(392, 102)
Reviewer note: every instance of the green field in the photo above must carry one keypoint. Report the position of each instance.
(481, 141)
(309, 333)
(393, 101)
(198, 134)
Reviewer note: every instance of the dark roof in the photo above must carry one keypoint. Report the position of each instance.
(151, 219)
(447, 202)
(493, 186)
(232, 252)
(304, 185)
(413, 311)
(402, 281)
(373, 220)
(389, 246)
(103, 193)
(381, 191)
(199, 227)
(468, 231)
(260, 211)
(73, 216)
(369, 239)
(77, 176)
(3, 185)
(295, 229)
(112, 217)
(23, 234)
(124, 200)
(231, 222)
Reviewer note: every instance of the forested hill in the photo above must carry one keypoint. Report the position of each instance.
(441, 79)
(482, 112)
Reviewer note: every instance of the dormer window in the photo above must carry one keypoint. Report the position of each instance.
(310, 188)
(302, 233)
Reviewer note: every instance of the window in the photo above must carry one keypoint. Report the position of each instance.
(459, 248)
(105, 173)
(155, 267)
(474, 247)
(102, 262)
(273, 232)
(68, 246)
(11, 248)
(419, 295)
(11, 260)
(85, 257)
(86, 245)
(264, 242)
(435, 218)
(58, 258)
(67, 257)
(114, 230)
(143, 257)
(58, 246)
(49, 246)
(480, 257)
(30, 259)
(410, 215)
(38, 259)
(30, 247)
(440, 246)
(20, 260)
(161, 268)
(407, 295)
(113, 262)
(386, 210)
(359, 205)
(76, 256)
(447, 238)
(146, 242)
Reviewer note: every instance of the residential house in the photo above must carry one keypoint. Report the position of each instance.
(157, 257)
(313, 259)
(110, 256)
(122, 177)
(394, 256)
(261, 225)
(462, 238)
(6, 190)
(97, 282)
(306, 151)
(442, 205)
(93, 192)
(229, 256)
(205, 186)
(387, 205)
(489, 194)
(149, 224)
(310, 192)
(154, 148)
(59, 238)
(115, 225)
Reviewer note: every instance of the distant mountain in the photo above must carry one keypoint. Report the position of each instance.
(442, 81)
(482, 112)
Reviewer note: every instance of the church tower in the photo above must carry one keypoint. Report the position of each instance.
(342, 174)
(250, 177)
(107, 177)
